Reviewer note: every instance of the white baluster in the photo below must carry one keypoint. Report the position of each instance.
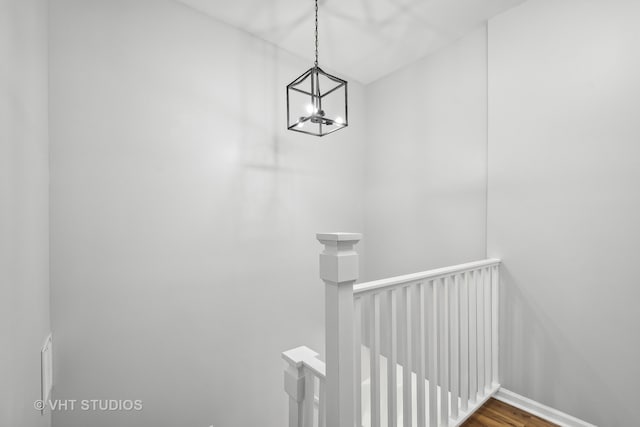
(488, 329)
(444, 354)
(407, 396)
(357, 325)
(473, 335)
(392, 361)
(322, 405)
(374, 324)
(339, 271)
(495, 278)
(455, 348)
(420, 375)
(309, 401)
(481, 330)
(433, 357)
(464, 341)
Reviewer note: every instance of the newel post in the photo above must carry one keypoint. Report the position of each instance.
(339, 270)
(294, 382)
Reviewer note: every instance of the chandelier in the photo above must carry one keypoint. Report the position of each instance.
(317, 101)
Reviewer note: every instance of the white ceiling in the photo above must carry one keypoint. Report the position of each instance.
(359, 39)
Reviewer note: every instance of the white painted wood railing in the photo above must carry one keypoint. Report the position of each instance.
(409, 351)
(304, 382)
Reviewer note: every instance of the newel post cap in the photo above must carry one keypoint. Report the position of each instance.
(339, 261)
(339, 237)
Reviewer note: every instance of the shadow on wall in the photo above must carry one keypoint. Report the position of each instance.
(259, 99)
(533, 345)
(264, 183)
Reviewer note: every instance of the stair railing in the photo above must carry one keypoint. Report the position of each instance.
(415, 350)
(304, 375)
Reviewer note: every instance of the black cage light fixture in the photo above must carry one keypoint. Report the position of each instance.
(317, 101)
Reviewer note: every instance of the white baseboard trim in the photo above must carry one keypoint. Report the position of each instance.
(540, 410)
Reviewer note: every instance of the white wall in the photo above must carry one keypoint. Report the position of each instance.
(184, 215)
(426, 162)
(24, 210)
(564, 202)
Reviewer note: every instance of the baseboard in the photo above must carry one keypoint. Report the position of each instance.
(540, 410)
(465, 415)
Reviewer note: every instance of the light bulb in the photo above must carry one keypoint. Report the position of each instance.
(310, 109)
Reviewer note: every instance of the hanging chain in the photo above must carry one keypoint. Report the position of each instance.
(316, 63)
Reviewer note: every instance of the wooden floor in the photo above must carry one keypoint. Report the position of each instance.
(495, 413)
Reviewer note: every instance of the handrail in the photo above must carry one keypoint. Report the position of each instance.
(305, 357)
(377, 285)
